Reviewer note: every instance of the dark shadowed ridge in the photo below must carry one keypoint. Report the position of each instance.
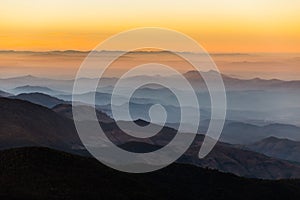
(26, 124)
(41, 173)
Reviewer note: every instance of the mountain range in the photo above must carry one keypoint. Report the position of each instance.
(243, 133)
(244, 84)
(251, 100)
(26, 124)
(236, 132)
(66, 111)
(35, 89)
(252, 131)
(193, 76)
(278, 148)
(40, 99)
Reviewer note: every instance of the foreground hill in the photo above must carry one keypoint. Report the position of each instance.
(41, 173)
(226, 158)
(26, 124)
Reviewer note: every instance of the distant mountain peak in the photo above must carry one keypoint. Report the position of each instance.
(273, 139)
(28, 77)
(141, 122)
(206, 72)
(194, 74)
(32, 87)
(36, 94)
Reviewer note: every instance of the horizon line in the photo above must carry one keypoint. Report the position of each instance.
(141, 51)
(114, 77)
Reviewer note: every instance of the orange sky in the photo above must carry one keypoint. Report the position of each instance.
(218, 25)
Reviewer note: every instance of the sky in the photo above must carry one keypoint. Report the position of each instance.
(218, 25)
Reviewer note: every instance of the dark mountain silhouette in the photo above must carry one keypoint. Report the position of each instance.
(4, 94)
(41, 173)
(40, 99)
(227, 158)
(278, 148)
(26, 124)
(224, 157)
(244, 163)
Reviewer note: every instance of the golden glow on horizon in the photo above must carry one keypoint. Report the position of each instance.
(218, 25)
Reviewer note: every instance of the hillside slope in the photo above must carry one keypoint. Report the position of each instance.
(41, 173)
